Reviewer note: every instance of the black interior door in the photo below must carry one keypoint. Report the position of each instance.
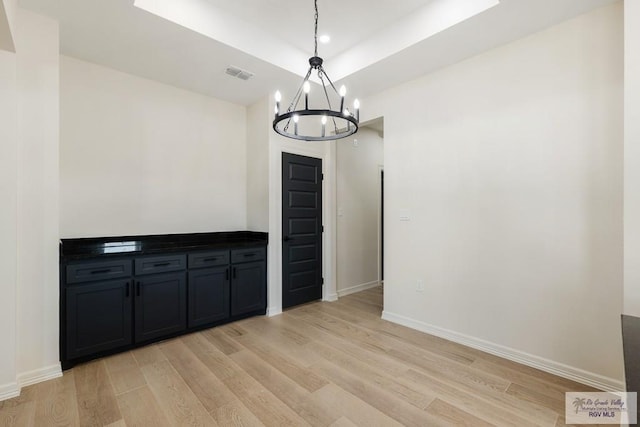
(301, 229)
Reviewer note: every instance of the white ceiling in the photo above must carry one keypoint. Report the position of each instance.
(374, 43)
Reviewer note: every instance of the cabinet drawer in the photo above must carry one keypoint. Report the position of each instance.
(94, 271)
(160, 264)
(208, 259)
(247, 255)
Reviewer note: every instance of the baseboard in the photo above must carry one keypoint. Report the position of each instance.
(273, 311)
(575, 374)
(38, 375)
(331, 298)
(7, 391)
(25, 379)
(357, 288)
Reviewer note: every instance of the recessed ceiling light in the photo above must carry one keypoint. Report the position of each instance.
(324, 38)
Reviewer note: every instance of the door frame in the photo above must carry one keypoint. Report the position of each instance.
(324, 151)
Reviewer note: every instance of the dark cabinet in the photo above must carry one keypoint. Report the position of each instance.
(115, 303)
(98, 317)
(160, 307)
(208, 295)
(248, 290)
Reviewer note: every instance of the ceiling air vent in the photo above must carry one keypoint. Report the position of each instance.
(239, 73)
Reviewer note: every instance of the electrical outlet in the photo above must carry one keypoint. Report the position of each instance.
(420, 286)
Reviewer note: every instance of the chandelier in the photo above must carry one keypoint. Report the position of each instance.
(317, 124)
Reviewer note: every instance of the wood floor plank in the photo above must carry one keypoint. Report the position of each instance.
(209, 390)
(300, 374)
(124, 372)
(502, 401)
(21, 415)
(216, 361)
(377, 377)
(56, 402)
(289, 392)
(343, 422)
(454, 415)
(148, 355)
(261, 402)
(237, 415)
(177, 401)
(398, 409)
(140, 408)
(221, 341)
(346, 405)
(97, 404)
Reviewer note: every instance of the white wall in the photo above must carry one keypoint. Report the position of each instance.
(37, 76)
(632, 157)
(358, 198)
(140, 157)
(258, 129)
(510, 165)
(29, 190)
(8, 222)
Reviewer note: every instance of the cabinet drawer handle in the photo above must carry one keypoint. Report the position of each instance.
(106, 270)
(210, 259)
(161, 264)
(249, 255)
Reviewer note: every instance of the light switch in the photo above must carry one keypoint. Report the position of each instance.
(405, 215)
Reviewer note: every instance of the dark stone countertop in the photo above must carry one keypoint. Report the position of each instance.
(92, 247)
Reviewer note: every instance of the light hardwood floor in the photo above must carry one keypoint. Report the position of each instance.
(322, 364)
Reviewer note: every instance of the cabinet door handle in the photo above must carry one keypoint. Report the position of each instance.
(138, 288)
(106, 270)
(227, 274)
(127, 291)
(161, 264)
(234, 272)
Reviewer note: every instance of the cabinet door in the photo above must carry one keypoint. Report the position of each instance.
(161, 305)
(98, 317)
(248, 288)
(208, 295)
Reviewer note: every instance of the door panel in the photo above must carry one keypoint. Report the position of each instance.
(248, 288)
(208, 295)
(98, 317)
(301, 229)
(161, 305)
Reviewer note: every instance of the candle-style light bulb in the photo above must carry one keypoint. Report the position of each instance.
(345, 112)
(306, 87)
(343, 92)
(295, 123)
(278, 99)
(324, 122)
(356, 106)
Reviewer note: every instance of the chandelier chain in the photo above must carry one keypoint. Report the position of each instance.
(315, 38)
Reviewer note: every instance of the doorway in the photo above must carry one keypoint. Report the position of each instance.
(359, 181)
(301, 229)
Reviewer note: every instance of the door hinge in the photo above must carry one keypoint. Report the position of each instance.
(322, 177)
(322, 281)
(322, 228)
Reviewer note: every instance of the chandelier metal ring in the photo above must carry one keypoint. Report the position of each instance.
(317, 131)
